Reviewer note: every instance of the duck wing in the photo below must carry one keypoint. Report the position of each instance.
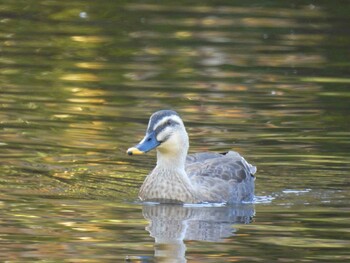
(204, 163)
(226, 177)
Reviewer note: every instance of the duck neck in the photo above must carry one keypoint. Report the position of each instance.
(172, 160)
(171, 167)
(172, 154)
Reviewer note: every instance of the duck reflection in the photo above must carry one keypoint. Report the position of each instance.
(170, 225)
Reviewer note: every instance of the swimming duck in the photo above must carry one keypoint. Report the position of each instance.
(196, 178)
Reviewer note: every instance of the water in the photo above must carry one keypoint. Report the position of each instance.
(79, 81)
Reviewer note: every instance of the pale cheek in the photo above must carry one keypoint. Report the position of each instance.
(170, 146)
(161, 136)
(172, 142)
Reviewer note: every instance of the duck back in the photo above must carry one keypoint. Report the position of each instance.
(225, 177)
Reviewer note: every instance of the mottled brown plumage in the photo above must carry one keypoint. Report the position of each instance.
(195, 178)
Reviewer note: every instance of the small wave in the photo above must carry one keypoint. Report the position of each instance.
(264, 199)
(293, 191)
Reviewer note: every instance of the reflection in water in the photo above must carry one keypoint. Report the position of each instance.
(170, 225)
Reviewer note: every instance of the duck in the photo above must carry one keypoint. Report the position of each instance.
(179, 177)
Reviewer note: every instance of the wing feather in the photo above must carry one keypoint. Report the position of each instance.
(223, 177)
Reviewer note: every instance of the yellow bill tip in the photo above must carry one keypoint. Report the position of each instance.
(134, 151)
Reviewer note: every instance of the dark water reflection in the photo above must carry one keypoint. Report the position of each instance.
(170, 225)
(78, 81)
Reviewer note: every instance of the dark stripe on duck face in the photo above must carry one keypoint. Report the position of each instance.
(166, 123)
(162, 127)
(158, 116)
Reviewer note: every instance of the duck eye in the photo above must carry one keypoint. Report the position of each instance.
(169, 122)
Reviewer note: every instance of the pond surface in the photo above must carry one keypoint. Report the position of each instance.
(79, 80)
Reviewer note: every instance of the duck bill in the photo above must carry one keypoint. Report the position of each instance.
(148, 143)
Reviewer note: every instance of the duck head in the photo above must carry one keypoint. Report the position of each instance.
(166, 132)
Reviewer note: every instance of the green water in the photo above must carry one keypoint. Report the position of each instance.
(79, 80)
